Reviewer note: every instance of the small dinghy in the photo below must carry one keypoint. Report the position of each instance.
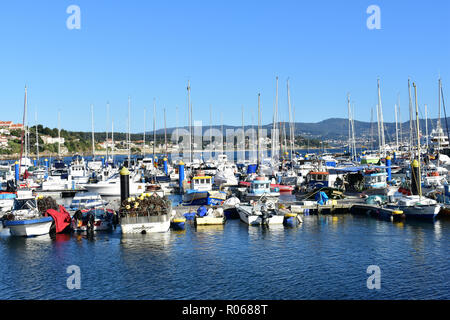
(211, 216)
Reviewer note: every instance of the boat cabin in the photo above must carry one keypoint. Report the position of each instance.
(260, 185)
(320, 179)
(374, 179)
(201, 183)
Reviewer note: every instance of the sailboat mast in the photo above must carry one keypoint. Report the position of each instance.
(411, 132)
(210, 128)
(190, 120)
(107, 121)
(353, 134)
(426, 125)
(221, 128)
(112, 140)
(129, 130)
(439, 120)
(371, 129)
(418, 141)
(399, 120)
(92, 127)
(23, 129)
(59, 134)
(396, 127)
(350, 151)
(154, 127)
(243, 132)
(275, 120)
(381, 119)
(165, 133)
(37, 136)
(290, 121)
(176, 124)
(257, 133)
(143, 143)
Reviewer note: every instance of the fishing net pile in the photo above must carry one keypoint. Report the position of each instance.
(145, 205)
(45, 203)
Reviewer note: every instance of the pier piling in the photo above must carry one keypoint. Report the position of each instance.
(124, 184)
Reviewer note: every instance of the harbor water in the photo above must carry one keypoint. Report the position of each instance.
(326, 257)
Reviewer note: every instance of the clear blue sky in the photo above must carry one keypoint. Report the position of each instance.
(230, 51)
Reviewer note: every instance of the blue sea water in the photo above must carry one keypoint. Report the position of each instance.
(326, 257)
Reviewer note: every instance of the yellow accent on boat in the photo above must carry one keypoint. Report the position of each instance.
(397, 212)
(289, 215)
(202, 177)
(177, 220)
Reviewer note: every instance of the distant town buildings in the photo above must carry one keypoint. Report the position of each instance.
(9, 125)
(50, 140)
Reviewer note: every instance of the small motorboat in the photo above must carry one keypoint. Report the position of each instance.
(25, 220)
(211, 216)
(94, 219)
(262, 212)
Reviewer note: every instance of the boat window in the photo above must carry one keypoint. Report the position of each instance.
(24, 204)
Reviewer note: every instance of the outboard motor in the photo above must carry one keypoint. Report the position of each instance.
(115, 220)
(11, 186)
(90, 222)
(265, 214)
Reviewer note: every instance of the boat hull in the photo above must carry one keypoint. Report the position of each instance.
(247, 217)
(152, 224)
(204, 198)
(209, 220)
(427, 212)
(29, 228)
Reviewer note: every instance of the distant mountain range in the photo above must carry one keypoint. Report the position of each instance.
(335, 128)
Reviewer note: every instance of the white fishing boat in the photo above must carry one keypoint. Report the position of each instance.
(25, 219)
(259, 213)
